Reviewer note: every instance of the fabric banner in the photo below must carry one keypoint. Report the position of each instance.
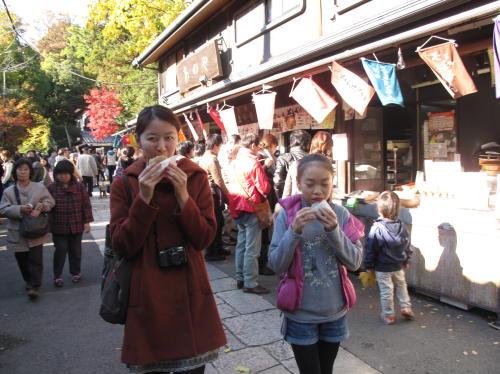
(191, 128)
(354, 90)
(264, 106)
(313, 99)
(202, 125)
(446, 64)
(214, 114)
(229, 119)
(182, 137)
(496, 54)
(384, 80)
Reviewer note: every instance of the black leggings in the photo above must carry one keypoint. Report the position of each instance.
(316, 358)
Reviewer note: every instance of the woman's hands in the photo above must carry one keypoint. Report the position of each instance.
(325, 216)
(26, 209)
(148, 180)
(179, 181)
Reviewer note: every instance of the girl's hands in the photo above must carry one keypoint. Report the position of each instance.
(303, 217)
(148, 180)
(179, 181)
(327, 218)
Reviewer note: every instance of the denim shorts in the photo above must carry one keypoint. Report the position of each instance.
(310, 333)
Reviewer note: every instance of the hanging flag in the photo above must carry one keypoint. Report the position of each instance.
(132, 140)
(191, 128)
(117, 141)
(401, 62)
(354, 90)
(264, 106)
(496, 54)
(214, 114)
(202, 125)
(446, 64)
(229, 119)
(313, 99)
(182, 136)
(384, 80)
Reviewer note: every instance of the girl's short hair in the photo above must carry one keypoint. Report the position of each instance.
(322, 142)
(18, 164)
(149, 113)
(64, 166)
(6, 153)
(388, 205)
(314, 157)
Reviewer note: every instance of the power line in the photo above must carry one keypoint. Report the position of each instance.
(111, 83)
(19, 35)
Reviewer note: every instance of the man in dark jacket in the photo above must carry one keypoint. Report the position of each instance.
(300, 140)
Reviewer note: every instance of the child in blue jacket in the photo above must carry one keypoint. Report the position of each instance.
(387, 253)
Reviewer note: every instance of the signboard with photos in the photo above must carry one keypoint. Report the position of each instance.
(294, 117)
(440, 137)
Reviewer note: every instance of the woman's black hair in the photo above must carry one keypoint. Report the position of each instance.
(185, 148)
(64, 166)
(156, 111)
(20, 162)
(213, 141)
(199, 149)
(314, 157)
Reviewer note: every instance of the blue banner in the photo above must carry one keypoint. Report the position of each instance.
(384, 80)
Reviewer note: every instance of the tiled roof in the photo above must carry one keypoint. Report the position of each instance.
(87, 138)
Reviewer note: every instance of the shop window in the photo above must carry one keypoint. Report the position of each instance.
(281, 8)
(263, 16)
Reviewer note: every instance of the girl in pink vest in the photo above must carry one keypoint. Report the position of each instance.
(313, 242)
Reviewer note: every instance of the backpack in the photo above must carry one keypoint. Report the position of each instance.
(116, 276)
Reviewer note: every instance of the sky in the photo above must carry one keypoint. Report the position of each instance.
(35, 14)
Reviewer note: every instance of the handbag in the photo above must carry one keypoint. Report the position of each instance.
(116, 277)
(262, 210)
(32, 227)
(291, 285)
(347, 287)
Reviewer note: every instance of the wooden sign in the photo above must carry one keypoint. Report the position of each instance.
(199, 67)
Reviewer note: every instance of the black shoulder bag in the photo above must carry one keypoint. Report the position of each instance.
(116, 277)
(32, 227)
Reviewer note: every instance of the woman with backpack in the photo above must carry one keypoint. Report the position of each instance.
(26, 199)
(172, 322)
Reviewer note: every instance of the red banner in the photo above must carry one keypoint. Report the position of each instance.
(202, 125)
(446, 64)
(216, 117)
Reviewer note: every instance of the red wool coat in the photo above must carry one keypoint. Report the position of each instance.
(172, 312)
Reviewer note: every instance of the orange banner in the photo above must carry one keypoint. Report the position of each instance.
(446, 64)
(354, 90)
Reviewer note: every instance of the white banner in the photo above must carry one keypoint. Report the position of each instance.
(264, 106)
(229, 119)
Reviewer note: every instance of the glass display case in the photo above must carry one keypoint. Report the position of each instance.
(368, 161)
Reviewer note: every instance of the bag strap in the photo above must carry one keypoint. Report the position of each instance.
(16, 192)
(128, 190)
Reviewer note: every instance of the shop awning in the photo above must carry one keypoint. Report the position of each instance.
(235, 87)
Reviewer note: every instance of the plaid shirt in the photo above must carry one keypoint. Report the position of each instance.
(72, 208)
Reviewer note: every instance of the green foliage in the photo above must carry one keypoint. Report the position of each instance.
(38, 137)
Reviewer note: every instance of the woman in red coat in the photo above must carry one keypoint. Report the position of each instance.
(172, 321)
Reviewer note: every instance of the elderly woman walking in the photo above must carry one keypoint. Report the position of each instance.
(26, 198)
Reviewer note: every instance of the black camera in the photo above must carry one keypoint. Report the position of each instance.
(172, 257)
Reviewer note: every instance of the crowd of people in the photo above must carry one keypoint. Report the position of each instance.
(168, 217)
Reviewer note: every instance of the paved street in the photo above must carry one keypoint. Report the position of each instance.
(62, 333)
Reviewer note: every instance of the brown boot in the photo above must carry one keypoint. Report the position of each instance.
(258, 290)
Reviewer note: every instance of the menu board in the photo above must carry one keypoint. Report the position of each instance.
(251, 128)
(294, 117)
(440, 136)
